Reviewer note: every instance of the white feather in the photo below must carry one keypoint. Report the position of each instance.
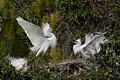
(33, 32)
(38, 37)
(94, 45)
(19, 63)
(88, 38)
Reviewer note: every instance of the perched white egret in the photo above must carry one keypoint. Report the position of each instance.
(76, 47)
(20, 64)
(91, 45)
(41, 40)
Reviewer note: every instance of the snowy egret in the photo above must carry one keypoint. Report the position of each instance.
(91, 45)
(78, 48)
(41, 40)
(20, 64)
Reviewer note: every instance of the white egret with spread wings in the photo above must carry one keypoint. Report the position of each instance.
(78, 47)
(41, 39)
(91, 45)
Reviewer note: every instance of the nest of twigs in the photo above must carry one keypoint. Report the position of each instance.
(74, 67)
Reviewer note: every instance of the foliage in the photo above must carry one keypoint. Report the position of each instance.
(70, 19)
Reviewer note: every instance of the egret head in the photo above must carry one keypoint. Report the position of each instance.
(78, 41)
(47, 29)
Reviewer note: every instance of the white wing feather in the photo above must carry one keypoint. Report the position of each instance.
(34, 33)
(88, 38)
(94, 43)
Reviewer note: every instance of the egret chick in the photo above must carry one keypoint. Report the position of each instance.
(78, 48)
(20, 64)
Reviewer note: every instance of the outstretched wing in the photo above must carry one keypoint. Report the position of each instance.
(94, 43)
(46, 29)
(88, 38)
(34, 33)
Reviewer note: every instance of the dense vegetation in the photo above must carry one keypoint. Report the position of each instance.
(70, 19)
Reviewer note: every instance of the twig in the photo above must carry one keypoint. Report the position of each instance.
(70, 31)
